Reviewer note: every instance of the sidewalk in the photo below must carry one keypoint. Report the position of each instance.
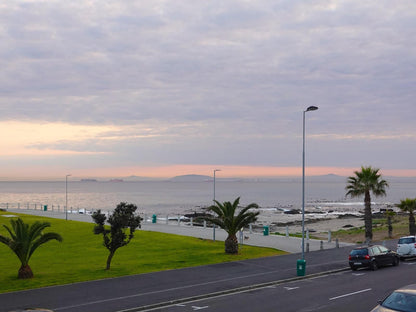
(288, 244)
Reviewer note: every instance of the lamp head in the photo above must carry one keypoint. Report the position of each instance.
(311, 108)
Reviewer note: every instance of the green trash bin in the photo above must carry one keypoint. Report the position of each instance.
(301, 267)
(265, 230)
(45, 208)
(154, 218)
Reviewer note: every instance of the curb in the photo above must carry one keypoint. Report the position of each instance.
(154, 306)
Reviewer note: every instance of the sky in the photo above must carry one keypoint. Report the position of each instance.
(161, 88)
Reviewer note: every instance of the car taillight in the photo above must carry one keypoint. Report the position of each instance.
(349, 257)
(367, 257)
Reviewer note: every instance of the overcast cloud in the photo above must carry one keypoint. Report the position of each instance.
(212, 82)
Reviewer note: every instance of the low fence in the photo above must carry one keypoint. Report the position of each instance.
(147, 218)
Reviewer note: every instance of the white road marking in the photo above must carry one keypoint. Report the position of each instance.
(358, 274)
(290, 288)
(350, 294)
(198, 308)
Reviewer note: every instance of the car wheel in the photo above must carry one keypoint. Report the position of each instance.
(354, 268)
(374, 266)
(396, 261)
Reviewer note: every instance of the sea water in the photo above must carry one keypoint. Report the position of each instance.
(168, 197)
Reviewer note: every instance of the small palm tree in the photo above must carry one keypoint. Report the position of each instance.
(24, 240)
(365, 181)
(409, 205)
(227, 220)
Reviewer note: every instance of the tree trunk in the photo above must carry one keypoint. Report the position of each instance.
(25, 272)
(390, 226)
(368, 218)
(110, 257)
(412, 225)
(231, 245)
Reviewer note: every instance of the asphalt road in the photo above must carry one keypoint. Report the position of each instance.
(141, 292)
(343, 291)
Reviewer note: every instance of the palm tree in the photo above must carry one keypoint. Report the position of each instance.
(409, 205)
(24, 240)
(390, 214)
(227, 220)
(365, 181)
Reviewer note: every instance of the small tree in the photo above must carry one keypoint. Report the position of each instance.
(24, 240)
(122, 222)
(227, 220)
(409, 205)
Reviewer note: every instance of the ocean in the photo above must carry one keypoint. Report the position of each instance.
(168, 197)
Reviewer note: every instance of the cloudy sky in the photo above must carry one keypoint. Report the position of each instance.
(162, 88)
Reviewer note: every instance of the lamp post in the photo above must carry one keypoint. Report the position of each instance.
(66, 196)
(213, 227)
(310, 108)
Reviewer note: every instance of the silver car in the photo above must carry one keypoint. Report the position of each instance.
(402, 299)
(406, 247)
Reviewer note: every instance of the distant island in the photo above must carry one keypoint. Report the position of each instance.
(191, 178)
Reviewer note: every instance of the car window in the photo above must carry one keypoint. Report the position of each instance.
(383, 249)
(400, 301)
(406, 240)
(360, 252)
(375, 250)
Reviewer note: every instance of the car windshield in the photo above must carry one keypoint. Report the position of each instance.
(406, 240)
(359, 252)
(401, 302)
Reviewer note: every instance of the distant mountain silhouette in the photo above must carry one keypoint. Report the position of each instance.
(191, 178)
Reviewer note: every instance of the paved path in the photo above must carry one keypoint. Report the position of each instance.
(288, 244)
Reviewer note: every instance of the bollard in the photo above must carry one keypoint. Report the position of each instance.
(307, 234)
(322, 245)
(192, 221)
(329, 236)
(251, 228)
(307, 247)
(167, 219)
(287, 231)
(179, 220)
(213, 233)
(205, 224)
(336, 243)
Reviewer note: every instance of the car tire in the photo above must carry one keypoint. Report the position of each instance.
(395, 261)
(373, 266)
(354, 268)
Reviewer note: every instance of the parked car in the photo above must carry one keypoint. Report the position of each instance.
(372, 257)
(402, 299)
(406, 247)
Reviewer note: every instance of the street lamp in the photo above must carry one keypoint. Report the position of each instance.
(310, 108)
(66, 196)
(213, 227)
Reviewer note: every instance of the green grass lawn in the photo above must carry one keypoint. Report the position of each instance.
(82, 257)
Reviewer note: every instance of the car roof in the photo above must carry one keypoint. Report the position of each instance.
(410, 289)
(410, 236)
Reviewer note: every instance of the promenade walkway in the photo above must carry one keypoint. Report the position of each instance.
(288, 244)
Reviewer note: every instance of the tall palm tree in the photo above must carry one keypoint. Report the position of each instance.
(367, 181)
(390, 214)
(409, 205)
(24, 240)
(227, 219)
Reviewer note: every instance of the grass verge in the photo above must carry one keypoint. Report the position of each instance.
(82, 257)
